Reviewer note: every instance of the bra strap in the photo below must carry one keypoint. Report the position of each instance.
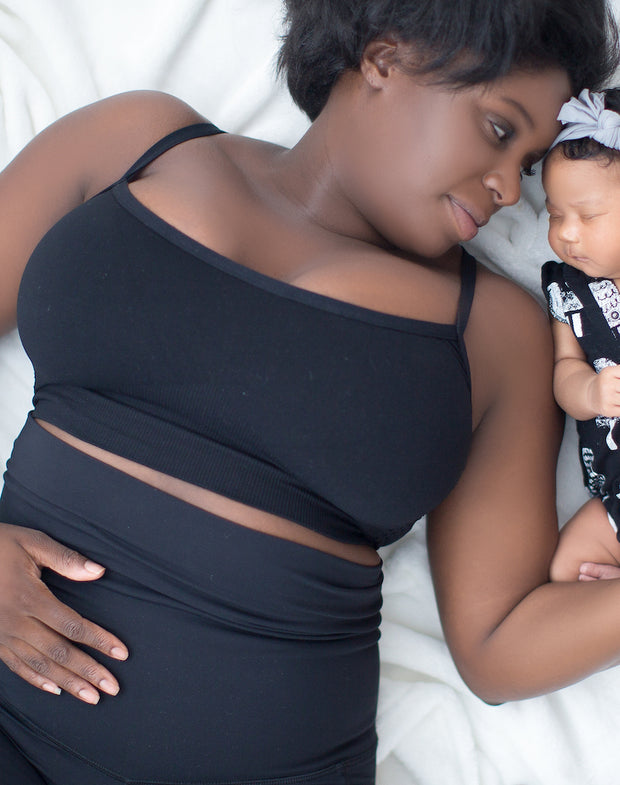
(171, 140)
(468, 287)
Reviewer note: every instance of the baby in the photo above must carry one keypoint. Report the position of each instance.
(581, 178)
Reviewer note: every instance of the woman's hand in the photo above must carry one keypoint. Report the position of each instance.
(37, 630)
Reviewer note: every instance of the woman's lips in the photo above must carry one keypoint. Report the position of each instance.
(467, 225)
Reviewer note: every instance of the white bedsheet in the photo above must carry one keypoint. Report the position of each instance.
(218, 55)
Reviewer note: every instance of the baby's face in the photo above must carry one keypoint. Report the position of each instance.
(583, 200)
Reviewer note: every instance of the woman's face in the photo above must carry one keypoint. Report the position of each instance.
(430, 165)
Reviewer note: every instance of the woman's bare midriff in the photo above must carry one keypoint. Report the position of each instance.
(221, 506)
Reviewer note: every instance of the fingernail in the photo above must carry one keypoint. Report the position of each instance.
(90, 696)
(90, 566)
(48, 687)
(119, 654)
(109, 687)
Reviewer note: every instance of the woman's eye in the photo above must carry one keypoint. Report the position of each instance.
(528, 171)
(502, 132)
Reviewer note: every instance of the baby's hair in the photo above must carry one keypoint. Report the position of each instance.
(459, 43)
(589, 149)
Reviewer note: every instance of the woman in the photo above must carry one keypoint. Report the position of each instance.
(249, 362)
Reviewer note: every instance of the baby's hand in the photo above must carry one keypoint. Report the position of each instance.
(589, 571)
(604, 392)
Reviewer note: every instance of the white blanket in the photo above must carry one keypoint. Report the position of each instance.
(218, 55)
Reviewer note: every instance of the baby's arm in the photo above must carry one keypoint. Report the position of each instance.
(579, 389)
(583, 393)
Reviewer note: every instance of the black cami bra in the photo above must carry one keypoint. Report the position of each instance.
(148, 344)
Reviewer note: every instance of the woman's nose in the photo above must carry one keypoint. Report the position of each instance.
(505, 186)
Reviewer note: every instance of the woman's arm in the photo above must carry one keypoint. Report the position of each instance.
(67, 163)
(511, 632)
(579, 389)
(63, 166)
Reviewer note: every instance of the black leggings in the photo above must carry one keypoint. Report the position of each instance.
(252, 659)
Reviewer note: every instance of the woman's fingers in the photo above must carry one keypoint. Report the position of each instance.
(46, 552)
(29, 595)
(73, 627)
(15, 664)
(78, 678)
(37, 631)
(36, 643)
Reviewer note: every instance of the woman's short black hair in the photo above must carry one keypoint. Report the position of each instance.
(589, 149)
(463, 42)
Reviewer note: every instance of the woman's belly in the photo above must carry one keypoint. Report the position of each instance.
(251, 656)
(232, 510)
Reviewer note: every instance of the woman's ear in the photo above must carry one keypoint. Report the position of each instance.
(378, 59)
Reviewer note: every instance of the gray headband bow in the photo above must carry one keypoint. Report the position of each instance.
(586, 116)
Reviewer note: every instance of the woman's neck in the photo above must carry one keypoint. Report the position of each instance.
(308, 175)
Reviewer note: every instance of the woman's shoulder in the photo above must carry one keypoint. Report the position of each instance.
(145, 107)
(119, 129)
(93, 146)
(113, 127)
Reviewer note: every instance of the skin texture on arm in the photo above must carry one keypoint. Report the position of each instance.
(578, 388)
(490, 542)
(65, 165)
